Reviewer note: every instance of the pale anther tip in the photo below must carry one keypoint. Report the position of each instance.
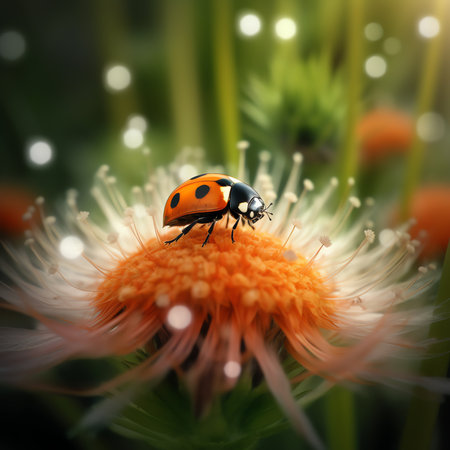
(370, 201)
(71, 195)
(29, 242)
(102, 170)
(128, 221)
(422, 269)
(270, 195)
(40, 200)
(243, 145)
(308, 184)
(351, 181)
(290, 255)
(334, 181)
(83, 216)
(50, 220)
(264, 156)
(355, 202)
(297, 157)
(112, 238)
(325, 241)
(432, 266)
(290, 197)
(370, 236)
(410, 249)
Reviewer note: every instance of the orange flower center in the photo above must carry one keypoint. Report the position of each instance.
(256, 274)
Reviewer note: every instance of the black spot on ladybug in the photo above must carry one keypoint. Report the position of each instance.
(201, 191)
(224, 182)
(175, 200)
(197, 176)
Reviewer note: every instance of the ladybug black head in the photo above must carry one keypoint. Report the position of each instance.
(245, 201)
(255, 209)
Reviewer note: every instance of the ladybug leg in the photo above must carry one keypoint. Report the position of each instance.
(228, 220)
(210, 230)
(184, 231)
(250, 225)
(234, 227)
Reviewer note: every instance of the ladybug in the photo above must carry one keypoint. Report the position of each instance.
(206, 198)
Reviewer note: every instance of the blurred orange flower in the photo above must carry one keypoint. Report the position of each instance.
(383, 132)
(431, 208)
(14, 203)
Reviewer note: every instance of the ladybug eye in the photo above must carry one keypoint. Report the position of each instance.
(256, 205)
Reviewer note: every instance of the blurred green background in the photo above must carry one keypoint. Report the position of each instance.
(359, 87)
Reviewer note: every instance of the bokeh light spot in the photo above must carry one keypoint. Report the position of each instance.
(40, 152)
(375, 66)
(133, 138)
(138, 123)
(392, 46)
(12, 45)
(430, 127)
(179, 317)
(117, 77)
(71, 247)
(285, 28)
(373, 31)
(232, 369)
(387, 237)
(249, 25)
(429, 27)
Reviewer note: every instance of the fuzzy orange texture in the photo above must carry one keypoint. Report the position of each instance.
(431, 208)
(383, 132)
(14, 202)
(246, 278)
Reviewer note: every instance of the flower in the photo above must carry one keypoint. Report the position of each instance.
(431, 209)
(14, 202)
(383, 132)
(308, 283)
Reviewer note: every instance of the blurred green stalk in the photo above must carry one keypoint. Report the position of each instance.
(426, 95)
(348, 152)
(330, 14)
(225, 77)
(111, 31)
(424, 407)
(340, 419)
(340, 408)
(183, 75)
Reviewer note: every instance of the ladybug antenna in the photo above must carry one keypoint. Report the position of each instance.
(268, 213)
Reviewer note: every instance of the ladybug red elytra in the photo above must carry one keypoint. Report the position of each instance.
(206, 198)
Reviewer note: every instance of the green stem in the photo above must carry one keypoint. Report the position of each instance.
(183, 76)
(426, 95)
(424, 407)
(225, 78)
(348, 153)
(340, 419)
(111, 31)
(340, 402)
